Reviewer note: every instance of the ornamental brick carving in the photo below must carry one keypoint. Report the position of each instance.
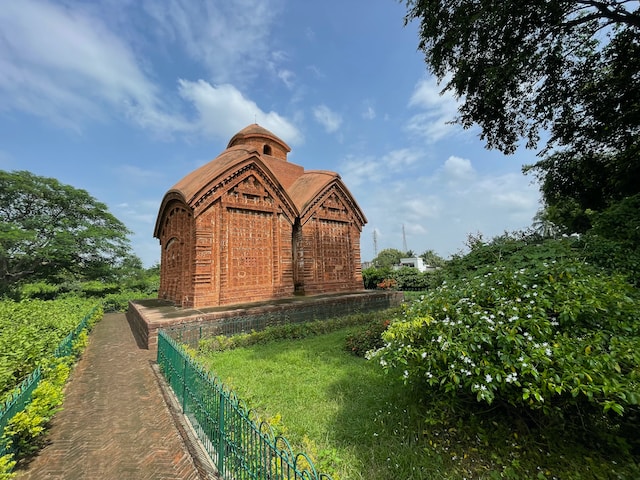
(251, 226)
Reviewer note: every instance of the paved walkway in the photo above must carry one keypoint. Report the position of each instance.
(115, 424)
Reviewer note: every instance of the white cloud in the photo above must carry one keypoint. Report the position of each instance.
(223, 110)
(65, 65)
(458, 169)
(438, 110)
(330, 120)
(369, 112)
(230, 38)
(356, 171)
(369, 169)
(396, 160)
(439, 208)
(287, 77)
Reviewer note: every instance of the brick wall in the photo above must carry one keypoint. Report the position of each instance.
(239, 236)
(177, 241)
(145, 319)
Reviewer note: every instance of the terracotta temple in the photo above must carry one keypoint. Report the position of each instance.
(251, 226)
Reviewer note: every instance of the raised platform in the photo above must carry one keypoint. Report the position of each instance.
(146, 317)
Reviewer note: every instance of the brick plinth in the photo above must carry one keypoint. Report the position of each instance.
(146, 317)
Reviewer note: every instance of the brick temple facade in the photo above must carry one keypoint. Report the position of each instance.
(251, 226)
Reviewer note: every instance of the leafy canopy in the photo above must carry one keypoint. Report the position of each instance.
(388, 258)
(50, 231)
(519, 67)
(563, 69)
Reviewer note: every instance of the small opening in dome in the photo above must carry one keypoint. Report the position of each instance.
(266, 149)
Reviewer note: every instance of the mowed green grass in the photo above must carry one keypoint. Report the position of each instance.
(340, 409)
(357, 422)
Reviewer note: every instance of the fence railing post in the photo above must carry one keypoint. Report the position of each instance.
(226, 441)
(221, 428)
(184, 384)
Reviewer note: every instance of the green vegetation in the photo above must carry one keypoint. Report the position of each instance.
(358, 423)
(521, 68)
(330, 404)
(61, 254)
(565, 72)
(292, 331)
(404, 278)
(51, 335)
(56, 240)
(31, 330)
(522, 362)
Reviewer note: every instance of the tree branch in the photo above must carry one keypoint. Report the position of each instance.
(611, 10)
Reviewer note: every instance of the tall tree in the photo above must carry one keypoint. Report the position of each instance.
(51, 231)
(388, 257)
(565, 69)
(524, 66)
(432, 259)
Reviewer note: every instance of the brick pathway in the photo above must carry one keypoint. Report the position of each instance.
(115, 424)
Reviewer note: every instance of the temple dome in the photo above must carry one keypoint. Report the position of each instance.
(262, 140)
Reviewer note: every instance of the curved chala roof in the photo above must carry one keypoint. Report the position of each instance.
(257, 148)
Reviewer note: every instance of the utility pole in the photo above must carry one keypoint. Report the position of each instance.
(375, 243)
(404, 240)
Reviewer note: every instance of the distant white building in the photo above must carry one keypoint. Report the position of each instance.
(415, 262)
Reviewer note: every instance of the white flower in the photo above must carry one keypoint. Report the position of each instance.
(424, 355)
(405, 374)
(488, 378)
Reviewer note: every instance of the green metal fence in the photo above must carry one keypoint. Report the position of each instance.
(21, 396)
(18, 400)
(240, 446)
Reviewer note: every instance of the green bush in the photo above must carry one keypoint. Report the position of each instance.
(555, 337)
(370, 338)
(31, 330)
(291, 331)
(119, 302)
(405, 278)
(24, 432)
(6, 467)
(373, 276)
(39, 290)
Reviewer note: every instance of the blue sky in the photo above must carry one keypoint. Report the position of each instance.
(123, 98)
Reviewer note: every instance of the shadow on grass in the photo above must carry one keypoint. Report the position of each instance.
(364, 424)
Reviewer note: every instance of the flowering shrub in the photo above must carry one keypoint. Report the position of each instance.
(388, 284)
(544, 338)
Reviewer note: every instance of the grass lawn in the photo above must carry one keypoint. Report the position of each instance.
(358, 423)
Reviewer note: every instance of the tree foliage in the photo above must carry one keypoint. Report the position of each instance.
(565, 69)
(388, 257)
(566, 66)
(432, 259)
(50, 231)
